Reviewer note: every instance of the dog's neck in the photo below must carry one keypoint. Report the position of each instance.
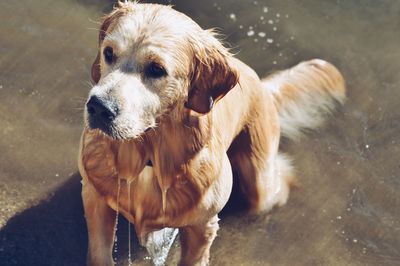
(180, 135)
(174, 149)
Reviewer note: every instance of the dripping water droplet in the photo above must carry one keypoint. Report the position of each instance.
(116, 221)
(128, 183)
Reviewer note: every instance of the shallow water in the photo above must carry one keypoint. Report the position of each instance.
(346, 211)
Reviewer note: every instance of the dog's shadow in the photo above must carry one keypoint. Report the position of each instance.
(50, 233)
(54, 231)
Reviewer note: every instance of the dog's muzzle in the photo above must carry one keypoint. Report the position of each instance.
(101, 113)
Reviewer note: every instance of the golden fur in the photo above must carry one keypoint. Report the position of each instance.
(213, 114)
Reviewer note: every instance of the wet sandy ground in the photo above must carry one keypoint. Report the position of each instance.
(347, 209)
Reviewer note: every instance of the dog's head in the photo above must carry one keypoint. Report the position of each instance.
(152, 59)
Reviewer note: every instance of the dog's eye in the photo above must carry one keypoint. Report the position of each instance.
(108, 55)
(154, 70)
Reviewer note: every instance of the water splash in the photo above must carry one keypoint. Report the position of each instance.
(159, 243)
(250, 33)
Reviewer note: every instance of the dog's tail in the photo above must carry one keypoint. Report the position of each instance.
(305, 94)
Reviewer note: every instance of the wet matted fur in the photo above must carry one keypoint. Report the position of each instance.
(172, 94)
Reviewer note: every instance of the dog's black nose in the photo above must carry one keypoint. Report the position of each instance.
(100, 110)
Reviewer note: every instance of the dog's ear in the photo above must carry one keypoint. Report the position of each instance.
(118, 11)
(96, 69)
(213, 75)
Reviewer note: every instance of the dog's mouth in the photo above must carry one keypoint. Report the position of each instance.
(106, 129)
(116, 132)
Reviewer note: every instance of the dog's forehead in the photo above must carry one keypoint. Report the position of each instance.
(152, 25)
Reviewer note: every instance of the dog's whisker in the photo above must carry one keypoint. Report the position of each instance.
(78, 109)
(94, 21)
(77, 98)
(92, 29)
(88, 83)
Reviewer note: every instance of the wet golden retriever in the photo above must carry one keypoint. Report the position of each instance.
(168, 93)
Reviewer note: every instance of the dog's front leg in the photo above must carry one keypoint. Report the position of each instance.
(196, 242)
(100, 221)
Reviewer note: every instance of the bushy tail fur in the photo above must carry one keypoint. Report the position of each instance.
(305, 94)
